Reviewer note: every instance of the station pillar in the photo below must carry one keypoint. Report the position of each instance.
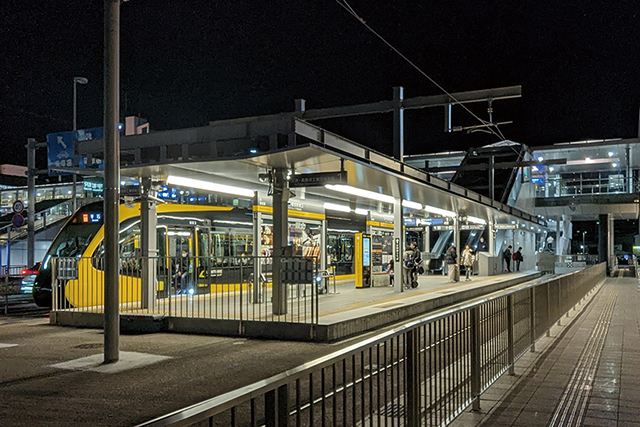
(491, 237)
(398, 247)
(280, 238)
(605, 240)
(148, 245)
(456, 239)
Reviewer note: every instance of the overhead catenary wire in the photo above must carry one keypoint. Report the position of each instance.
(344, 4)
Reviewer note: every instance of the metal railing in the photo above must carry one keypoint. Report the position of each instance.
(195, 287)
(583, 185)
(425, 372)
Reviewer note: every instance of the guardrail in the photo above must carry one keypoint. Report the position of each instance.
(423, 373)
(195, 287)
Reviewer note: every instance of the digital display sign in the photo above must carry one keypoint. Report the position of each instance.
(366, 251)
(91, 217)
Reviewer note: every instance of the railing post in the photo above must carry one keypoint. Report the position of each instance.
(475, 358)
(559, 302)
(413, 378)
(510, 340)
(532, 318)
(276, 411)
(549, 319)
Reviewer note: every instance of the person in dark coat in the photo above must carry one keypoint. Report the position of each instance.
(482, 245)
(181, 272)
(518, 258)
(451, 258)
(506, 255)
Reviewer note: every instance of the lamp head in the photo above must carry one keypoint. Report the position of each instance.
(81, 80)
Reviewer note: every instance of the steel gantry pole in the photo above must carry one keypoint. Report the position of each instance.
(111, 179)
(31, 197)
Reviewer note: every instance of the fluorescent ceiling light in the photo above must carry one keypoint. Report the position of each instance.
(334, 207)
(615, 165)
(439, 211)
(476, 220)
(361, 211)
(591, 161)
(410, 204)
(540, 159)
(209, 186)
(610, 153)
(360, 192)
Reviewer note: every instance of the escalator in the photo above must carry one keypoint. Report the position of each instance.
(505, 179)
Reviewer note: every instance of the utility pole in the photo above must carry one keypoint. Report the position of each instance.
(111, 180)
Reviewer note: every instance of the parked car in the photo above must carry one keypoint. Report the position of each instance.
(28, 278)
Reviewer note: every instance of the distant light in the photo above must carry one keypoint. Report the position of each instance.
(534, 168)
(191, 291)
(336, 207)
(122, 183)
(361, 211)
(588, 159)
(610, 153)
(513, 222)
(540, 158)
(253, 150)
(69, 192)
(411, 205)
(38, 194)
(120, 126)
(476, 220)
(615, 165)
(552, 169)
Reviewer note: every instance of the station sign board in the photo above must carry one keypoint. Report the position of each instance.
(506, 226)
(317, 179)
(472, 227)
(442, 227)
(538, 180)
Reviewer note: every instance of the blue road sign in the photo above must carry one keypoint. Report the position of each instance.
(60, 151)
(17, 220)
(61, 148)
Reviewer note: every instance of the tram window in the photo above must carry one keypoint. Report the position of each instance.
(73, 240)
(128, 239)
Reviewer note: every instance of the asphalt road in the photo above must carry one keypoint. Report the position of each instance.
(32, 393)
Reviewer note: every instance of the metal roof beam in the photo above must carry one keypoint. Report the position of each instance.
(414, 103)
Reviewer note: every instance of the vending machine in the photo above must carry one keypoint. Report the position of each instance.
(363, 260)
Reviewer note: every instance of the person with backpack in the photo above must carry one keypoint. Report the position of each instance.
(451, 258)
(506, 255)
(518, 258)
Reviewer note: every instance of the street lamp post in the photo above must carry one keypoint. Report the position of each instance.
(82, 81)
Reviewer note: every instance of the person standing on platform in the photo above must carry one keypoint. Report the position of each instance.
(506, 255)
(181, 272)
(468, 259)
(390, 272)
(518, 258)
(451, 258)
(482, 245)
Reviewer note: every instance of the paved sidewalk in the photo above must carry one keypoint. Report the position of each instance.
(586, 374)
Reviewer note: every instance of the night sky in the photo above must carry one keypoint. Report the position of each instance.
(185, 63)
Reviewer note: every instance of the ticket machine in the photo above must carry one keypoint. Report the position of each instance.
(363, 260)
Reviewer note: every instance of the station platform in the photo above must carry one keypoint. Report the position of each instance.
(585, 374)
(342, 312)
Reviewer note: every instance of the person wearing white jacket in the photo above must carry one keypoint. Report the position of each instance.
(468, 258)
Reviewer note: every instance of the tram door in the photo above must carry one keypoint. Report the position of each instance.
(194, 243)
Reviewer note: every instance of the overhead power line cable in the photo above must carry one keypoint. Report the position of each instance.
(344, 4)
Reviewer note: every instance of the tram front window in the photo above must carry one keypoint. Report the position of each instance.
(73, 240)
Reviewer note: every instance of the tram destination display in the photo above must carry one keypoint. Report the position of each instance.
(317, 179)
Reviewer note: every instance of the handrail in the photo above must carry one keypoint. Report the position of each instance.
(228, 401)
